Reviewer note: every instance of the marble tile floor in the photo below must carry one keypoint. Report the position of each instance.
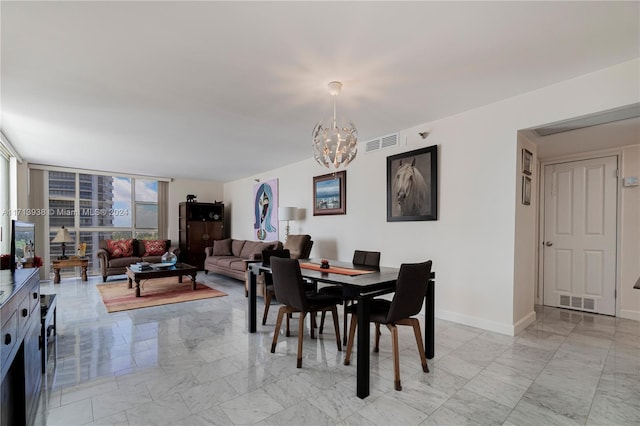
(194, 363)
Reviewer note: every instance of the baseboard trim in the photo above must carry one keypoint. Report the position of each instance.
(482, 323)
(525, 322)
(629, 314)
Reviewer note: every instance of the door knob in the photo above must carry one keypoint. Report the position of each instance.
(548, 244)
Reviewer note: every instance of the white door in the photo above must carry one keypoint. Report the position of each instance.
(580, 220)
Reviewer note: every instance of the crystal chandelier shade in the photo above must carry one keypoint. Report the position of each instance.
(335, 144)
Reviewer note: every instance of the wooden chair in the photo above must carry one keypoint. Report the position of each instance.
(290, 290)
(411, 288)
(360, 258)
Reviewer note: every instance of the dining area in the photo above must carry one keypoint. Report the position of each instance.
(366, 292)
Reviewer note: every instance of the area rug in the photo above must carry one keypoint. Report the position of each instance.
(118, 297)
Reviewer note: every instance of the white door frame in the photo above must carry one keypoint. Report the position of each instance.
(563, 159)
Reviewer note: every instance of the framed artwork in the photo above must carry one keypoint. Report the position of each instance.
(527, 160)
(265, 209)
(330, 194)
(412, 185)
(526, 190)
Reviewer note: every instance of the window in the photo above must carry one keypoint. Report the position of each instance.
(96, 207)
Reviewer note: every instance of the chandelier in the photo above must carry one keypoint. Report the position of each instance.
(335, 145)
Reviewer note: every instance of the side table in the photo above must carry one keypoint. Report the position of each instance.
(69, 263)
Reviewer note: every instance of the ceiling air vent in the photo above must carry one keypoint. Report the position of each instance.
(382, 142)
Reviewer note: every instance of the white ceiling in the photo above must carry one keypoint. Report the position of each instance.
(223, 90)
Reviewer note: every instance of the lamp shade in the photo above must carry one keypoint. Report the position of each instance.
(62, 236)
(287, 213)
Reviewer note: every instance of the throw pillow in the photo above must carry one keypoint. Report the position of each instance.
(154, 247)
(120, 248)
(222, 247)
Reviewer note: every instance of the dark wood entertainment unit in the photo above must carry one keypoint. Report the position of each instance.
(20, 346)
(199, 224)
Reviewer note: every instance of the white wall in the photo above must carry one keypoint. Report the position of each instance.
(629, 298)
(478, 270)
(526, 237)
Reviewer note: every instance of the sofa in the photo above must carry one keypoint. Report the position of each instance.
(116, 255)
(229, 257)
(299, 247)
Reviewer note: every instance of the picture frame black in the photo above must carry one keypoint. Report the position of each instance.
(526, 190)
(330, 194)
(412, 185)
(527, 161)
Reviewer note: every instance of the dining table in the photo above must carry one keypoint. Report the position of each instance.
(366, 283)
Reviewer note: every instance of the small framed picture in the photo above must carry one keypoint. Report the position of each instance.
(527, 161)
(330, 194)
(526, 190)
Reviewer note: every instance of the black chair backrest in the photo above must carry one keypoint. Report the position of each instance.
(366, 258)
(268, 254)
(288, 283)
(411, 288)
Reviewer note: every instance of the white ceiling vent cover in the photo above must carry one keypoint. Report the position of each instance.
(382, 142)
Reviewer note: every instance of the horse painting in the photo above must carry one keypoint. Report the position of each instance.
(410, 190)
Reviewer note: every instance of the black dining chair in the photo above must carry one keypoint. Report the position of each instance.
(411, 288)
(360, 258)
(268, 278)
(289, 288)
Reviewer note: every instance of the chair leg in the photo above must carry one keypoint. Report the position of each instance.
(396, 355)
(322, 322)
(288, 333)
(416, 330)
(345, 303)
(301, 337)
(312, 324)
(267, 303)
(352, 335)
(334, 312)
(376, 348)
(281, 313)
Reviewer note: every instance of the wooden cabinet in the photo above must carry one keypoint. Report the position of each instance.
(21, 373)
(199, 225)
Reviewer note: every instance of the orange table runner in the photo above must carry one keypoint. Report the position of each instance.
(334, 269)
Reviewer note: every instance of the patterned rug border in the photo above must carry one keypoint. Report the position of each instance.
(117, 297)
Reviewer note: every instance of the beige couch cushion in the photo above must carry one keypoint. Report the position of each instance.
(222, 247)
(236, 247)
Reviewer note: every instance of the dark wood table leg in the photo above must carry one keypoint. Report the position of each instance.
(84, 273)
(137, 288)
(193, 282)
(180, 279)
(429, 320)
(56, 275)
(362, 389)
(130, 282)
(252, 301)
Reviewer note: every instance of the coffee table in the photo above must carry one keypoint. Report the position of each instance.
(178, 270)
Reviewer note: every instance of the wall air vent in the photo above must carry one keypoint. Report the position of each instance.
(373, 145)
(576, 302)
(381, 142)
(589, 304)
(565, 300)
